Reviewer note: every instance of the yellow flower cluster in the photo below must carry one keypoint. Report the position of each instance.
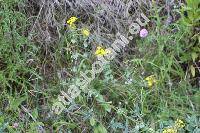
(151, 80)
(179, 123)
(71, 22)
(101, 51)
(170, 130)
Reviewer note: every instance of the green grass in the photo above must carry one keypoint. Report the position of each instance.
(33, 71)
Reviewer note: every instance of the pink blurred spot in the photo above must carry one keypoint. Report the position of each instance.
(143, 33)
(15, 125)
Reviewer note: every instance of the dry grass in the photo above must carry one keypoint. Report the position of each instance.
(104, 18)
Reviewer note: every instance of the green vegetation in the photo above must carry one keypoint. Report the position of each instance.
(152, 86)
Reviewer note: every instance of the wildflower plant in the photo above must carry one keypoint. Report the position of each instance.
(179, 124)
(71, 22)
(143, 33)
(169, 130)
(88, 75)
(151, 80)
(101, 51)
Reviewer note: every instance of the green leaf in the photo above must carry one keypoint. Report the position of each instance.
(34, 127)
(15, 102)
(100, 129)
(192, 69)
(92, 121)
(194, 56)
(35, 113)
(62, 123)
(1, 120)
(107, 107)
(103, 103)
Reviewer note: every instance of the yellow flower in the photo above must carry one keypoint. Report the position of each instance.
(170, 130)
(72, 20)
(85, 32)
(100, 51)
(151, 80)
(179, 123)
